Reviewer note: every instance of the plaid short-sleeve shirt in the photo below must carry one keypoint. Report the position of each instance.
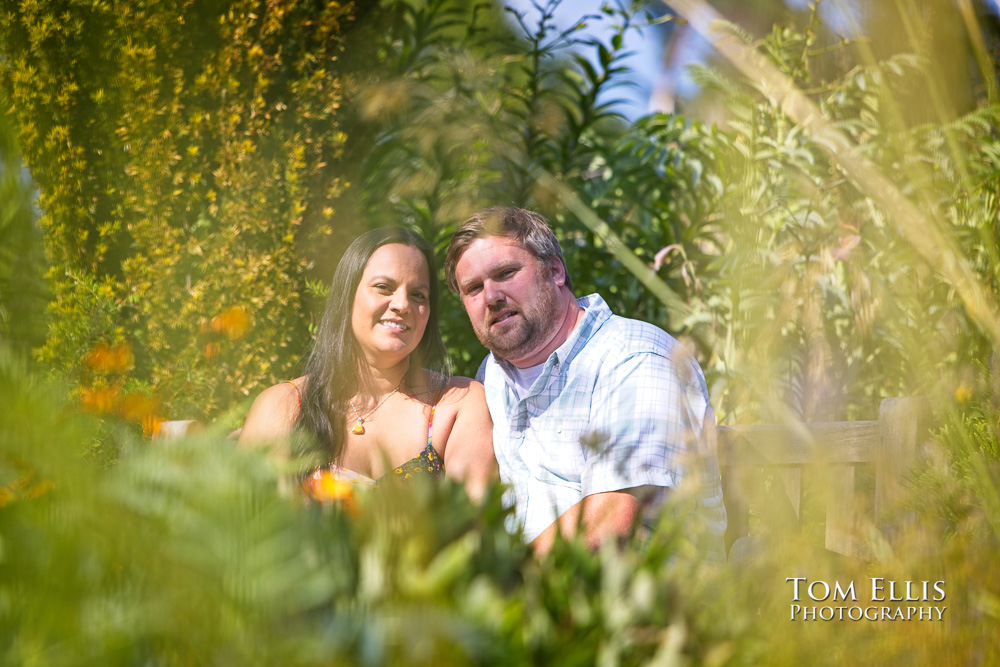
(620, 404)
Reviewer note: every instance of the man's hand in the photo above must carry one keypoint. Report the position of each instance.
(597, 517)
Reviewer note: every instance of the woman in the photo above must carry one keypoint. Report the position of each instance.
(376, 398)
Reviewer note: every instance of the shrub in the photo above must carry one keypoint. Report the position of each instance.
(183, 154)
(192, 553)
(22, 288)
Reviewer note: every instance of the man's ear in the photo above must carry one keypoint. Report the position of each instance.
(557, 271)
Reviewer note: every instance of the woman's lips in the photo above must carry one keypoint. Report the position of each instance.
(393, 325)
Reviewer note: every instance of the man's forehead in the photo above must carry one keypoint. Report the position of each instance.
(489, 255)
(494, 249)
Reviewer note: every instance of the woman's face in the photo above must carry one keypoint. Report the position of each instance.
(392, 304)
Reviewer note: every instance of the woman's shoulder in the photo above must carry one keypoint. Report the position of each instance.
(458, 389)
(440, 389)
(280, 400)
(288, 390)
(273, 412)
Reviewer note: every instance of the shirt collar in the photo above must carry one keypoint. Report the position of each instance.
(595, 313)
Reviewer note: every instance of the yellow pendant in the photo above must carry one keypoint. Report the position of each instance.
(359, 428)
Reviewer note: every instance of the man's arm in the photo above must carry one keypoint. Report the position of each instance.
(649, 412)
(596, 518)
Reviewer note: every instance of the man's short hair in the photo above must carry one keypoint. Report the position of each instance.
(528, 228)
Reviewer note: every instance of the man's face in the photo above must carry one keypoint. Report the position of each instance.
(511, 297)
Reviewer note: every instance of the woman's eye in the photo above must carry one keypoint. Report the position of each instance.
(419, 296)
(382, 287)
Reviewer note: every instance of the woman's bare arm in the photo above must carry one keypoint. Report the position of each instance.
(468, 456)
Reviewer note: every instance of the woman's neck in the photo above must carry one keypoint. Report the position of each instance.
(382, 380)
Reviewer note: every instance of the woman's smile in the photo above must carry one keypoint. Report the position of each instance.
(395, 325)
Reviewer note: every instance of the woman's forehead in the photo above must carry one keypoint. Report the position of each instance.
(398, 260)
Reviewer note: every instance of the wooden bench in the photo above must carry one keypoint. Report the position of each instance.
(182, 428)
(832, 451)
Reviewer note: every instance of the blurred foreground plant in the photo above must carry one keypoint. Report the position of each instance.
(190, 553)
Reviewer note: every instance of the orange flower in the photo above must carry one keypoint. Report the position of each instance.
(324, 487)
(98, 356)
(211, 350)
(27, 487)
(37, 489)
(99, 400)
(151, 425)
(142, 409)
(106, 359)
(233, 322)
(136, 406)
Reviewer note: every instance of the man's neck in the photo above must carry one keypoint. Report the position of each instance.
(572, 313)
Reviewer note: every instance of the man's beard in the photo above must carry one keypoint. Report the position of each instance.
(535, 326)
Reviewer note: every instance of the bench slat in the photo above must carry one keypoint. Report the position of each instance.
(840, 510)
(794, 445)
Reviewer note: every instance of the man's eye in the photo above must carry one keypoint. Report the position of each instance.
(472, 289)
(507, 273)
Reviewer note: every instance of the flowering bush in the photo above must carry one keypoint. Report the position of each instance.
(184, 159)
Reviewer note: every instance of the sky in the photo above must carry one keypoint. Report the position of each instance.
(646, 64)
(658, 86)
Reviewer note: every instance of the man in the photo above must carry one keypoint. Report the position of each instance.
(595, 416)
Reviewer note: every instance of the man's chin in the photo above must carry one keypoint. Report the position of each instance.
(505, 349)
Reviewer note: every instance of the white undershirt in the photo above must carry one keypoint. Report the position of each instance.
(525, 377)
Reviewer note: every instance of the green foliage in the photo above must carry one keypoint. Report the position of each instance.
(22, 289)
(799, 295)
(193, 552)
(185, 163)
(825, 306)
(183, 156)
(481, 110)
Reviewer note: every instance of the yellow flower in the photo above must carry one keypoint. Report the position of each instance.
(963, 393)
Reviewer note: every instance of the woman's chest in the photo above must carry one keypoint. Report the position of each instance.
(396, 435)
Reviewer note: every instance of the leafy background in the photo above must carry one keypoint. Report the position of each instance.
(196, 170)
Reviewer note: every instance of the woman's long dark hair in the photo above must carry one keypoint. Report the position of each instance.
(336, 370)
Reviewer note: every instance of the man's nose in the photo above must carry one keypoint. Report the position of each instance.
(492, 293)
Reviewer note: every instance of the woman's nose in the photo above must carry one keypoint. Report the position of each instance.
(400, 301)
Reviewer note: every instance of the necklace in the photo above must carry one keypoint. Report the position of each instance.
(359, 426)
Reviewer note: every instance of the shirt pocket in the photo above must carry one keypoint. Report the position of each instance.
(557, 456)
